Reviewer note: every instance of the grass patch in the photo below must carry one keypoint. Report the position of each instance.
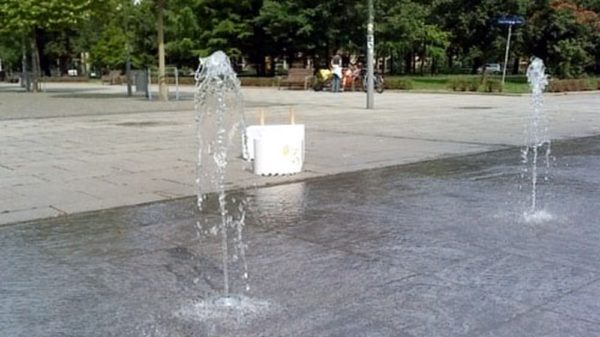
(513, 84)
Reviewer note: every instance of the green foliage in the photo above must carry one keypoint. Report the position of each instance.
(474, 34)
(223, 25)
(399, 84)
(10, 51)
(458, 84)
(565, 34)
(183, 30)
(314, 28)
(513, 84)
(473, 83)
(571, 85)
(406, 30)
(572, 58)
(259, 81)
(492, 85)
(416, 36)
(110, 50)
(25, 15)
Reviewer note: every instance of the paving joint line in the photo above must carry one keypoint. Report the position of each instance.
(414, 138)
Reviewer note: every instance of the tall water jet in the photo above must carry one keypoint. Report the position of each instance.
(220, 122)
(537, 141)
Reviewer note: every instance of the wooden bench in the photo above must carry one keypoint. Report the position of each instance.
(297, 77)
(113, 77)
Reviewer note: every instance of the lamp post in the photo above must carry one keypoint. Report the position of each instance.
(370, 52)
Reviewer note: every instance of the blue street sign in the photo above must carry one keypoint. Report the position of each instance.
(510, 20)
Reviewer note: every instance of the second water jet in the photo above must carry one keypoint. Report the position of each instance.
(537, 143)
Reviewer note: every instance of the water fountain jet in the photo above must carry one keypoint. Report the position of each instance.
(537, 138)
(220, 121)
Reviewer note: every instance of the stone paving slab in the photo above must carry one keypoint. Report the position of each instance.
(81, 138)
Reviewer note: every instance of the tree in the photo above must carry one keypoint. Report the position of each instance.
(9, 51)
(163, 93)
(406, 30)
(29, 17)
(287, 26)
(108, 34)
(111, 49)
(229, 25)
(565, 35)
(313, 28)
(183, 31)
(474, 35)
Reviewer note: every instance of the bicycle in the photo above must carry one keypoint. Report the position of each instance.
(378, 81)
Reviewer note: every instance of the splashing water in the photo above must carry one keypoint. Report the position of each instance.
(214, 310)
(538, 217)
(537, 137)
(220, 122)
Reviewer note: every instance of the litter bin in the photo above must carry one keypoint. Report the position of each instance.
(141, 81)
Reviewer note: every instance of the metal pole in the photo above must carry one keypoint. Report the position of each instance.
(149, 87)
(128, 72)
(176, 84)
(370, 52)
(506, 54)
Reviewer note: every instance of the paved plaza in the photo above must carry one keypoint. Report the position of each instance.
(85, 147)
(408, 220)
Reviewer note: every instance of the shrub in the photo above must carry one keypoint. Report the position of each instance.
(258, 81)
(569, 85)
(474, 84)
(399, 84)
(457, 84)
(169, 80)
(492, 85)
(64, 79)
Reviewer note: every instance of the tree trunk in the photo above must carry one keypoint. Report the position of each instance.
(24, 75)
(407, 63)
(257, 54)
(163, 90)
(35, 62)
(515, 68)
(422, 57)
(272, 65)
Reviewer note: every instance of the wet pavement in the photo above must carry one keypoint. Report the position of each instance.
(436, 248)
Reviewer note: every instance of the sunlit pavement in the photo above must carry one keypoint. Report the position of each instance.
(83, 147)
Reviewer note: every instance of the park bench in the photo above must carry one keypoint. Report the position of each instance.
(113, 77)
(297, 77)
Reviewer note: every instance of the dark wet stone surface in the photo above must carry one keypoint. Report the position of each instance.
(439, 248)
